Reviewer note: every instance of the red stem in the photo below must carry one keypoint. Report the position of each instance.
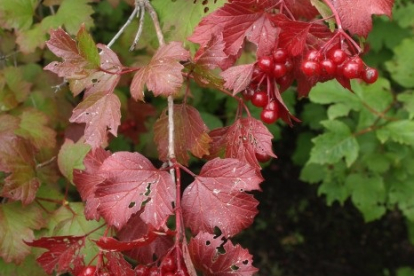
(335, 13)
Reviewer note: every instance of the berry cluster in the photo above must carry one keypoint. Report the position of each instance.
(168, 267)
(337, 63)
(262, 91)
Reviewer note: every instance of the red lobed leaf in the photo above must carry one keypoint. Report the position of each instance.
(301, 9)
(237, 78)
(216, 198)
(356, 15)
(63, 250)
(86, 181)
(206, 256)
(190, 134)
(99, 81)
(239, 20)
(212, 54)
(242, 140)
(74, 65)
(136, 229)
(162, 75)
(117, 265)
(111, 244)
(130, 182)
(101, 112)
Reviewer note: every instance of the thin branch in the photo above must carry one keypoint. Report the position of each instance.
(156, 22)
(140, 27)
(118, 34)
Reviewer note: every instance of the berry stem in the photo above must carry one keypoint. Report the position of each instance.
(335, 13)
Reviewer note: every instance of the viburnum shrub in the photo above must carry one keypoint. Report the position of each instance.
(142, 212)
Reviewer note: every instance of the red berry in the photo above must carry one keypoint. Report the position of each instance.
(359, 61)
(313, 55)
(153, 271)
(266, 64)
(311, 68)
(351, 70)
(262, 157)
(273, 105)
(285, 81)
(328, 68)
(269, 116)
(248, 93)
(279, 55)
(142, 270)
(168, 264)
(279, 70)
(337, 56)
(370, 75)
(169, 274)
(88, 271)
(257, 75)
(260, 99)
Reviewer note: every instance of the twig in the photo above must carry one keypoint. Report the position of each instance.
(140, 27)
(156, 22)
(118, 34)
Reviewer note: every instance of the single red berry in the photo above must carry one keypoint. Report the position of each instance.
(370, 75)
(279, 55)
(310, 68)
(328, 68)
(257, 75)
(338, 56)
(168, 264)
(269, 116)
(88, 271)
(313, 55)
(266, 64)
(141, 270)
(260, 99)
(272, 105)
(153, 271)
(279, 70)
(359, 61)
(352, 70)
(262, 157)
(248, 93)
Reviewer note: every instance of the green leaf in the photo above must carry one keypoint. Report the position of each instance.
(87, 48)
(332, 92)
(29, 267)
(173, 25)
(17, 14)
(33, 126)
(333, 185)
(338, 110)
(401, 66)
(334, 145)
(303, 147)
(376, 96)
(376, 162)
(65, 222)
(405, 271)
(16, 225)
(312, 115)
(407, 98)
(404, 15)
(368, 195)
(383, 25)
(29, 40)
(72, 14)
(211, 120)
(399, 131)
(313, 173)
(71, 157)
(13, 88)
(402, 194)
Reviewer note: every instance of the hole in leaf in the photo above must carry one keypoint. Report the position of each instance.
(206, 9)
(132, 204)
(94, 80)
(173, 204)
(208, 243)
(217, 232)
(234, 267)
(148, 189)
(145, 202)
